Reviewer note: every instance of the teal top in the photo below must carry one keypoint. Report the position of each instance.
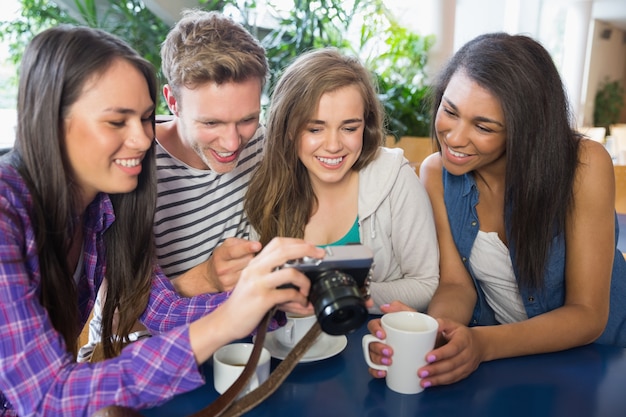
(353, 236)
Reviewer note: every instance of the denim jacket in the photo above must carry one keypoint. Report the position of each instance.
(461, 198)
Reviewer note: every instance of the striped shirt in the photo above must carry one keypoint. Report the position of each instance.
(198, 209)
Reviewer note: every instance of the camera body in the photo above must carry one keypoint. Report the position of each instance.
(339, 286)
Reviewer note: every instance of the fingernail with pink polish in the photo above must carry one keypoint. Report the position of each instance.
(385, 361)
(431, 358)
(386, 352)
(379, 334)
(426, 384)
(380, 373)
(423, 374)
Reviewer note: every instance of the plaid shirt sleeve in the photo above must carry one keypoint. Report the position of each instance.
(167, 310)
(37, 375)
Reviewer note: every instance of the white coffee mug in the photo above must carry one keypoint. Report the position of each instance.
(411, 335)
(296, 328)
(229, 361)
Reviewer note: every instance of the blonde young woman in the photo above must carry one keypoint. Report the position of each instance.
(325, 177)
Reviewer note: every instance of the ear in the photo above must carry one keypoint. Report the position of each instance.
(172, 104)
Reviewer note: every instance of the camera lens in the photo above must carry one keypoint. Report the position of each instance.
(337, 300)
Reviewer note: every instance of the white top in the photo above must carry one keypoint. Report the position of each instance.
(491, 262)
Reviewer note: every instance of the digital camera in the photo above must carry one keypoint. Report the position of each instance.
(339, 286)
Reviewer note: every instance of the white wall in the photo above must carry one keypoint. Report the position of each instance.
(475, 17)
(428, 17)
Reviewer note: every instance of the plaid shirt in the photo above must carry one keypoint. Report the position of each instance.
(37, 375)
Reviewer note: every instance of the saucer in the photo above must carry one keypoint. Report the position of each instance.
(325, 347)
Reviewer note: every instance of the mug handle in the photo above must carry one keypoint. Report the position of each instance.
(367, 339)
(289, 333)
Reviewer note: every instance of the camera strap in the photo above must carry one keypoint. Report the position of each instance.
(227, 405)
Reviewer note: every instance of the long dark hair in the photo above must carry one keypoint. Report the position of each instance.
(541, 146)
(55, 67)
(280, 197)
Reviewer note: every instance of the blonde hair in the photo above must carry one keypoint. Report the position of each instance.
(210, 47)
(280, 197)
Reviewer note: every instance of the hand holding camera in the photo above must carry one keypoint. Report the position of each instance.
(339, 286)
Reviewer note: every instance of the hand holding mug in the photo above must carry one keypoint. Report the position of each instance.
(411, 335)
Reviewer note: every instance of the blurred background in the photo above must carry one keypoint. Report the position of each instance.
(404, 43)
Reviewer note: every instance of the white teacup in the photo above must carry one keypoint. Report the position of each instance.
(412, 336)
(229, 361)
(296, 328)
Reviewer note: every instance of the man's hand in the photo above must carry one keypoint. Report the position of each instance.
(221, 271)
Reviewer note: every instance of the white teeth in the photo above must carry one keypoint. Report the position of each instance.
(128, 163)
(457, 154)
(225, 154)
(331, 161)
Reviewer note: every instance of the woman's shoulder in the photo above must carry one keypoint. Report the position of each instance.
(431, 170)
(389, 159)
(433, 162)
(15, 198)
(593, 159)
(387, 170)
(591, 150)
(594, 174)
(389, 154)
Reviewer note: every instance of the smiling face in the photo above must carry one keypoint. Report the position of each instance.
(108, 131)
(217, 121)
(333, 138)
(470, 126)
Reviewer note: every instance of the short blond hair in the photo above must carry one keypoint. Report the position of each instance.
(211, 47)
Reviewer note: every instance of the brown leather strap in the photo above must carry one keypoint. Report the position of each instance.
(221, 404)
(116, 411)
(225, 405)
(276, 378)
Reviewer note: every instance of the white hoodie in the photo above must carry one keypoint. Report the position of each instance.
(396, 222)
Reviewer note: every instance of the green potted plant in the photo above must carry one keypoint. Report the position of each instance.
(398, 62)
(608, 104)
(400, 67)
(309, 25)
(129, 19)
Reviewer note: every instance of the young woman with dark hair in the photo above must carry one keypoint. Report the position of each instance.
(525, 215)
